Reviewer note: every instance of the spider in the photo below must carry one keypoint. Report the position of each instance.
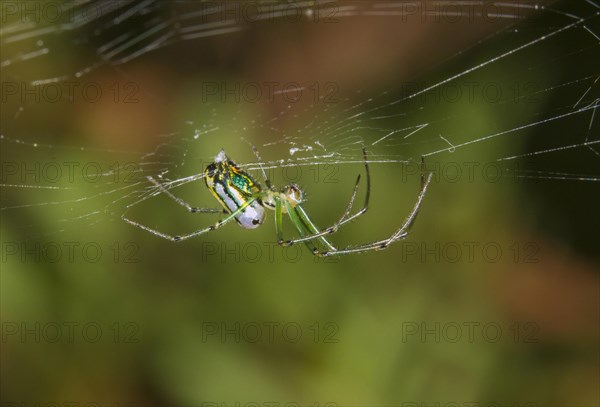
(244, 200)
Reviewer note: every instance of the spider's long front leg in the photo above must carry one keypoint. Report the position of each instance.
(400, 234)
(179, 238)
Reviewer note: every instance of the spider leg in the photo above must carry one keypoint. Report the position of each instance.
(346, 217)
(300, 227)
(180, 201)
(279, 221)
(298, 213)
(262, 169)
(300, 221)
(179, 238)
(398, 235)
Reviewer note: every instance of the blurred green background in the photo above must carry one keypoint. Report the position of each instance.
(493, 298)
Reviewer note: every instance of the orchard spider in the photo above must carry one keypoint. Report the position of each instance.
(244, 201)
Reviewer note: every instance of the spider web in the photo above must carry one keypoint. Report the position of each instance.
(490, 101)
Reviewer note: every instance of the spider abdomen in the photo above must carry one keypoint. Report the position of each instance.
(235, 189)
(251, 217)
